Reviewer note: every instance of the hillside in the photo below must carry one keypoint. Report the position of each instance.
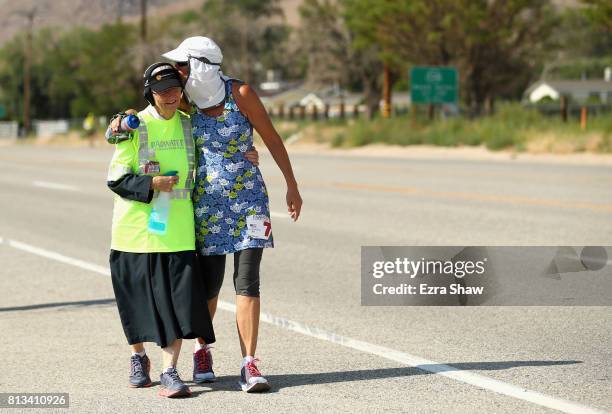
(94, 13)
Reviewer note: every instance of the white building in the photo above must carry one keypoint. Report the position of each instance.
(575, 90)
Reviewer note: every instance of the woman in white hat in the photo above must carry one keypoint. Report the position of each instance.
(230, 199)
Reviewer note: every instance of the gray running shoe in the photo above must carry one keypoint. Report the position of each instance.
(251, 379)
(203, 366)
(172, 386)
(139, 371)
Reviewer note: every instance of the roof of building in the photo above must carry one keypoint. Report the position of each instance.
(573, 86)
(301, 95)
(330, 95)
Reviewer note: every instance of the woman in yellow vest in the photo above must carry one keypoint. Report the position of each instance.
(159, 296)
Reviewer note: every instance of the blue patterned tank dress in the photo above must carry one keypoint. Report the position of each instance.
(228, 188)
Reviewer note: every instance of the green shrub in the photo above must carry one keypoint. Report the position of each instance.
(512, 126)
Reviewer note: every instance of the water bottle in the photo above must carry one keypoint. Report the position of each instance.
(158, 220)
(128, 124)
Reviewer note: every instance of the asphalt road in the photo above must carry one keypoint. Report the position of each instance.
(320, 349)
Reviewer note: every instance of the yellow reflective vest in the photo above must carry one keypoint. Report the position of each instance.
(170, 143)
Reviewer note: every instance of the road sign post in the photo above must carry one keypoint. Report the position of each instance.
(433, 86)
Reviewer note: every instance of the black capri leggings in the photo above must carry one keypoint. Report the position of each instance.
(246, 272)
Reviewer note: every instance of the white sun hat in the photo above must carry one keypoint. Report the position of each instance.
(197, 46)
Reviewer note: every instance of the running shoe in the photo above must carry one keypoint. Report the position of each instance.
(172, 386)
(203, 366)
(251, 379)
(139, 371)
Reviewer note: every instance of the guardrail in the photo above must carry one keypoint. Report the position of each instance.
(46, 129)
(324, 113)
(9, 130)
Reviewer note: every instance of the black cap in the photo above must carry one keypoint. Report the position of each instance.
(161, 76)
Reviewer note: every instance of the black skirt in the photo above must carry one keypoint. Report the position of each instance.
(160, 297)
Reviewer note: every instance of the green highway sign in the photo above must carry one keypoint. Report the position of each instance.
(435, 85)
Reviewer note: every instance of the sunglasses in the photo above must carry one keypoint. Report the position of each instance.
(201, 59)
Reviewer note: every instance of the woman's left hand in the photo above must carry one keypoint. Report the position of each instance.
(252, 156)
(294, 202)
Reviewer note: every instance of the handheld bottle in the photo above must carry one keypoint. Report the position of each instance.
(158, 220)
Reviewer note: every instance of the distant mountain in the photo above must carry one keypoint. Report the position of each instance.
(94, 13)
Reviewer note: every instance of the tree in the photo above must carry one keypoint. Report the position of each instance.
(590, 52)
(11, 77)
(332, 58)
(103, 71)
(600, 13)
(12, 60)
(506, 40)
(246, 34)
(496, 44)
(325, 42)
(73, 72)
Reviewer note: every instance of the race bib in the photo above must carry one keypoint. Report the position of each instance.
(151, 167)
(258, 227)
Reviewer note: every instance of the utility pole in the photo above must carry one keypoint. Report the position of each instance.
(27, 63)
(386, 109)
(119, 11)
(143, 21)
(244, 50)
(142, 44)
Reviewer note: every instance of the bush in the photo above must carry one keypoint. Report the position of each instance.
(512, 126)
(499, 131)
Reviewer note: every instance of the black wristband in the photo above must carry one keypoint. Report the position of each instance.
(118, 115)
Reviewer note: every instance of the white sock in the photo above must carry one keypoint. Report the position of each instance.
(140, 354)
(246, 360)
(199, 346)
(169, 368)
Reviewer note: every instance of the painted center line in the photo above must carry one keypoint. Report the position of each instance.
(467, 377)
(54, 186)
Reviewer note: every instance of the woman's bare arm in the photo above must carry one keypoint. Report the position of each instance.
(250, 105)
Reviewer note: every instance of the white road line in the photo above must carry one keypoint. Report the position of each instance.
(433, 367)
(54, 186)
(59, 257)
